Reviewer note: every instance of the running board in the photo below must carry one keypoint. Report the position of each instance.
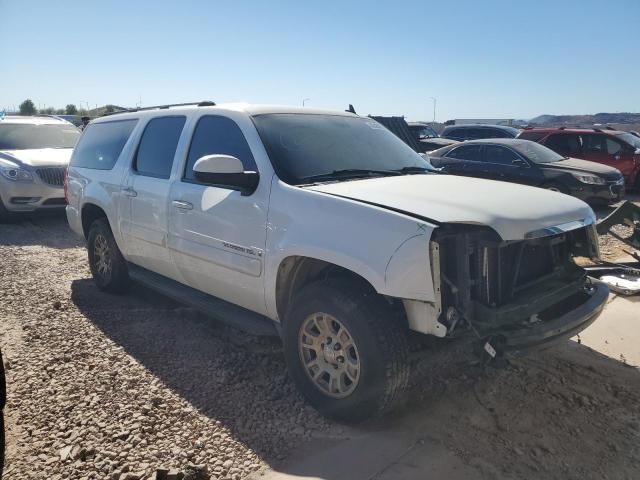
(233, 315)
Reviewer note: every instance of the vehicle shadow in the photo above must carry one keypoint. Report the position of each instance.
(48, 229)
(564, 413)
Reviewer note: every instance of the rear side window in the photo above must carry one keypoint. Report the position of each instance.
(497, 133)
(533, 136)
(218, 135)
(564, 143)
(456, 134)
(158, 146)
(467, 152)
(101, 144)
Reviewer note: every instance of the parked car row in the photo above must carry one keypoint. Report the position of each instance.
(529, 163)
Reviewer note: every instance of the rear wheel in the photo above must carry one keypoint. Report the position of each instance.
(107, 265)
(346, 351)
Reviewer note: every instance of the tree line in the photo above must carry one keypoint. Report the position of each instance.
(29, 108)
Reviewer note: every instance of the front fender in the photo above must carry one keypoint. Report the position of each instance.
(387, 248)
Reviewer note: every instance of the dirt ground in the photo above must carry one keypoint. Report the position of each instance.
(104, 386)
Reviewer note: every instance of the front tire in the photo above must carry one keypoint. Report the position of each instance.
(556, 187)
(108, 267)
(345, 350)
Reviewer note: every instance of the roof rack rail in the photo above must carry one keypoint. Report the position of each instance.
(203, 103)
(561, 128)
(597, 130)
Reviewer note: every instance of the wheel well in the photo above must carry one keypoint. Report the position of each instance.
(296, 272)
(90, 213)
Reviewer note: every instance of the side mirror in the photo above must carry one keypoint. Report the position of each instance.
(225, 171)
(518, 163)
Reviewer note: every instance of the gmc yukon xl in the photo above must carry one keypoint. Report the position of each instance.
(325, 228)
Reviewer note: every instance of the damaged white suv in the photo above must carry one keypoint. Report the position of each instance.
(327, 227)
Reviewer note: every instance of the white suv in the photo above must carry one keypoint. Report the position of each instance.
(34, 154)
(329, 228)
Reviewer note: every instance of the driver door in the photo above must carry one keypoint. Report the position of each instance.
(216, 234)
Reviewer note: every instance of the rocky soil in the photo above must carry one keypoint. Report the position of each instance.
(138, 387)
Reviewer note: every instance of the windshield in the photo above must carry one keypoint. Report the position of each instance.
(630, 139)
(424, 132)
(305, 145)
(537, 153)
(24, 136)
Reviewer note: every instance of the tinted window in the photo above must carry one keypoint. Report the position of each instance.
(564, 143)
(158, 146)
(456, 133)
(594, 143)
(218, 135)
(467, 152)
(533, 136)
(302, 145)
(14, 136)
(497, 133)
(613, 147)
(499, 154)
(101, 144)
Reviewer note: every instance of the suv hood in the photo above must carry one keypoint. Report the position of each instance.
(511, 210)
(585, 166)
(38, 157)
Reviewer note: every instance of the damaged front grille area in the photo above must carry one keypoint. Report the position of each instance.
(493, 284)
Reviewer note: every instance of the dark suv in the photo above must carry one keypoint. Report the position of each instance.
(617, 149)
(478, 132)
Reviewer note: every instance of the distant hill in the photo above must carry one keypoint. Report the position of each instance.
(598, 118)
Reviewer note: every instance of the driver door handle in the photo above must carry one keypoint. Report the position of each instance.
(129, 192)
(179, 204)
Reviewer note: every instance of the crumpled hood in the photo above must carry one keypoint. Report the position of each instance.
(511, 210)
(38, 157)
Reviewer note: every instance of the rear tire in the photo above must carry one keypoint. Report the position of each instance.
(351, 342)
(108, 267)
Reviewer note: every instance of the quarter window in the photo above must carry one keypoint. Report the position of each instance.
(613, 147)
(218, 135)
(158, 146)
(467, 152)
(101, 144)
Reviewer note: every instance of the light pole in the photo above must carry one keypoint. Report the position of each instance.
(304, 100)
(434, 108)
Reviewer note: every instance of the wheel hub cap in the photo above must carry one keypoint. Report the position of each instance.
(329, 355)
(102, 255)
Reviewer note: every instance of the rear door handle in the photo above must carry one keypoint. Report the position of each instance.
(129, 192)
(179, 204)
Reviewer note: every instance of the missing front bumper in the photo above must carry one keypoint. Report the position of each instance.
(544, 333)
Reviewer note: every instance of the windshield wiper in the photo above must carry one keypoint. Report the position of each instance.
(349, 173)
(414, 169)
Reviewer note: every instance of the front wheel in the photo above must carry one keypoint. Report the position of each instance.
(108, 267)
(345, 350)
(556, 187)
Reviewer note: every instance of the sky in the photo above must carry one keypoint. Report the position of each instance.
(478, 59)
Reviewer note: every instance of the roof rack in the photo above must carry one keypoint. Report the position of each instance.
(204, 103)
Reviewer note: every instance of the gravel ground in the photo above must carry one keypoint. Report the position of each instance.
(117, 387)
(102, 386)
